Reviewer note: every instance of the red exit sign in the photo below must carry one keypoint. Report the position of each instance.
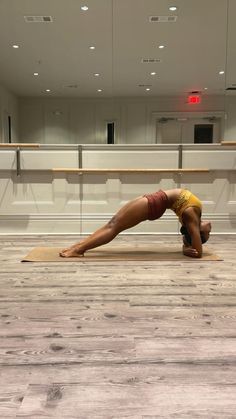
(194, 100)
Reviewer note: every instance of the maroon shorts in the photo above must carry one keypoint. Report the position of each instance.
(157, 204)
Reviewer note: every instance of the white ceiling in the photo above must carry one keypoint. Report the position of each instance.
(197, 47)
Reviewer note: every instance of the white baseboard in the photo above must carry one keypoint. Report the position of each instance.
(55, 224)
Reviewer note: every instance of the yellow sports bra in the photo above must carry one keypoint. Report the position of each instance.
(185, 200)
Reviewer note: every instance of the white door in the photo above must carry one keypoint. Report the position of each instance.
(169, 131)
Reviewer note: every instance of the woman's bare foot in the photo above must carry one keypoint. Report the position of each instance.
(71, 252)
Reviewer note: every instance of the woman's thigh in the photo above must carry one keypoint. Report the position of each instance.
(131, 214)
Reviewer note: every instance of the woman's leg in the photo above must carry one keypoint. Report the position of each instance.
(131, 214)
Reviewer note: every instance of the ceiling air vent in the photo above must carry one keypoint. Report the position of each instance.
(162, 19)
(150, 60)
(144, 85)
(38, 19)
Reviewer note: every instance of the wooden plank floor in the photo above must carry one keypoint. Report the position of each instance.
(117, 340)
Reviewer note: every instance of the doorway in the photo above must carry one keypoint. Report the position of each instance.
(203, 133)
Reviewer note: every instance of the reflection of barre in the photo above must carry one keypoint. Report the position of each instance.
(81, 171)
(19, 145)
(18, 148)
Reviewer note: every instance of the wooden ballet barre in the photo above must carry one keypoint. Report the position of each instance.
(20, 145)
(81, 171)
(228, 143)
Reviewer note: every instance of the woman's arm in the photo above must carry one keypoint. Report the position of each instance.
(196, 242)
(191, 221)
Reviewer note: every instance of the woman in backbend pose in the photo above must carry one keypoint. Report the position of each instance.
(187, 207)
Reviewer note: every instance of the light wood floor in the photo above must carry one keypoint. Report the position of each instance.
(117, 340)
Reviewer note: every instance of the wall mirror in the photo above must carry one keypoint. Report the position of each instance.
(118, 71)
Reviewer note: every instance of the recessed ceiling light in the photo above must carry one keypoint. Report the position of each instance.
(205, 88)
(92, 47)
(99, 90)
(36, 74)
(148, 89)
(96, 74)
(15, 46)
(48, 90)
(173, 8)
(57, 112)
(153, 73)
(161, 46)
(84, 8)
(222, 72)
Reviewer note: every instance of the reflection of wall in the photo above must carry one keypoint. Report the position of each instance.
(84, 121)
(8, 106)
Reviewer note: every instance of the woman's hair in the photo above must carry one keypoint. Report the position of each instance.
(187, 236)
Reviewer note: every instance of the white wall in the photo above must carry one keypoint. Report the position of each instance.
(68, 121)
(8, 106)
(230, 123)
(40, 200)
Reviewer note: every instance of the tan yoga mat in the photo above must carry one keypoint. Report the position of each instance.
(144, 253)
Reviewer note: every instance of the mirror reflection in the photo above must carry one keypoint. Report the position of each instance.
(117, 71)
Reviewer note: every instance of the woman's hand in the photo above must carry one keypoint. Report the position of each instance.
(191, 252)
